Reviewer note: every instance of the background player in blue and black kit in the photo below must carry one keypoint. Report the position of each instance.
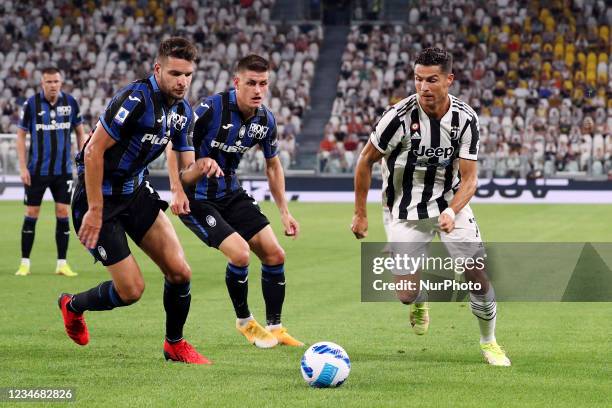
(49, 117)
(113, 198)
(221, 213)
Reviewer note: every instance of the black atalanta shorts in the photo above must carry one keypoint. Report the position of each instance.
(214, 220)
(133, 215)
(60, 186)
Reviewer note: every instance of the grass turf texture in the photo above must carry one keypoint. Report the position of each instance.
(561, 352)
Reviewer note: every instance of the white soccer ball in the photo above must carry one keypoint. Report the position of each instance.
(325, 364)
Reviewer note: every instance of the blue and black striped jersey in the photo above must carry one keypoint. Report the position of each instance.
(50, 127)
(221, 134)
(140, 121)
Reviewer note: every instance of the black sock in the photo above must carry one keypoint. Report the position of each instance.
(177, 299)
(62, 233)
(273, 288)
(102, 297)
(236, 279)
(27, 236)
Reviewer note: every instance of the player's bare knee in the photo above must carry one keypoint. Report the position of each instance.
(407, 297)
(61, 212)
(478, 276)
(32, 212)
(180, 274)
(132, 293)
(275, 257)
(240, 257)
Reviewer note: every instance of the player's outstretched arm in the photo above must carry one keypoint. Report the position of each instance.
(276, 181)
(98, 144)
(469, 183)
(363, 178)
(175, 162)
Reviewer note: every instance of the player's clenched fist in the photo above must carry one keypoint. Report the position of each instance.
(209, 167)
(25, 176)
(179, 203)
(446, 220)
(359, 226)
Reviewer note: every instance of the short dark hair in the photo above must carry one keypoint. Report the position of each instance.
(253, 63)
(50, 71)
(436, 56)
(177, 47)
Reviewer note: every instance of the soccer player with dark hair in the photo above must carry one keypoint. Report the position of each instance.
(49, 116)
(222, 214)
(113, 198)
(429, 146)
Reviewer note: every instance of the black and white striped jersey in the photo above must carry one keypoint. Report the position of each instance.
(420, 165)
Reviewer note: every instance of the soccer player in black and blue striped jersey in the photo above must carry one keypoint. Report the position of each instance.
(49, 117)
(222, 214)
(113, 198)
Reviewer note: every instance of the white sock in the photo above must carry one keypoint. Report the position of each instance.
(271, 327)
(25, 261)
(484, 308)
(242, 322)
(61, 262)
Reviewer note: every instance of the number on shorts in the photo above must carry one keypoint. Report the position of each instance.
(70, 185)
(149, 187)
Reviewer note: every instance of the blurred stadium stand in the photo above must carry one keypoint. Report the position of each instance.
(102, 45)
(538, 72)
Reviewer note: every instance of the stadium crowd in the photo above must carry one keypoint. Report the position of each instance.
(539, 77)
(102, 45)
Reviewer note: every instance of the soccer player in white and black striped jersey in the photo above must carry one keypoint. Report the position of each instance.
(429, 146)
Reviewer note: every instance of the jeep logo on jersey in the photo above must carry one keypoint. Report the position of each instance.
(429, 152)
(227, 148)
(176, 120)
(154, 139)
(257, 131)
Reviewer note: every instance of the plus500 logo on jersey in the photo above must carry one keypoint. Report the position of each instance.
(429, 152)
(229, 149)
(154, 139)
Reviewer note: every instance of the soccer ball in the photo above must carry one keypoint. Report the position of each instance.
(325, 364)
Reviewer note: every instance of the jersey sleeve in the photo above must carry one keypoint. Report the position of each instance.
(76, 113)
(269, 144)
(202, 115)
(387, 135)
(25, 116)
(123, 111)
(182, 140)
(470, 140)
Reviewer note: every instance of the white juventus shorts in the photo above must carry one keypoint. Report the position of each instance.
(412, 237)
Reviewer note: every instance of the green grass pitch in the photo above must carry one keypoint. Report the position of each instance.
(561, 352)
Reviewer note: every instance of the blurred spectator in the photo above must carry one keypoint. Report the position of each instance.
(101, 46)
(533, 71)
